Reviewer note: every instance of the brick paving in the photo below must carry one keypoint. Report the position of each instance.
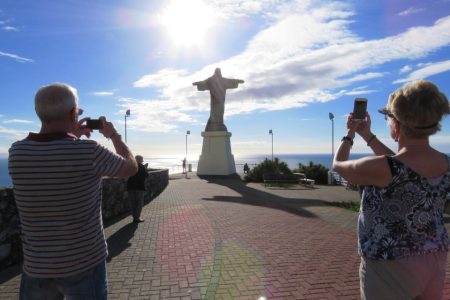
(224, 239)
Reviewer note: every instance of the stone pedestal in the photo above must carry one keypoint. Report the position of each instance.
(216, 157)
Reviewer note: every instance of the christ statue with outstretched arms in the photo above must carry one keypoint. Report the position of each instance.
(217, 86)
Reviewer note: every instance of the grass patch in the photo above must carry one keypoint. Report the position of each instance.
(280, 185)
(353, 206)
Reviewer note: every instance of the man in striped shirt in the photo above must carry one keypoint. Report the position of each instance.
(57, 185)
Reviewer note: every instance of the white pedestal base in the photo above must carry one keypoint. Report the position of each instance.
(216, 157)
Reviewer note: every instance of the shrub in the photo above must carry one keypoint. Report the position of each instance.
(267, 166)
(314, 171)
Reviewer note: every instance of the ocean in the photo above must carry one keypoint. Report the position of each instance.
(174, 164)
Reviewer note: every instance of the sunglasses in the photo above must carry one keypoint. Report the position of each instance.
(79, 111)
(387, 114)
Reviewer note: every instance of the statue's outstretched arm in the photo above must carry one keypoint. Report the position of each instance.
(232, 83)
(201, 85)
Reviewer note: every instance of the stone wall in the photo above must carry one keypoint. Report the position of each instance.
(114, 203)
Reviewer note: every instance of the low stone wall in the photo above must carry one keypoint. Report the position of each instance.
(115, 197)
(114, 203)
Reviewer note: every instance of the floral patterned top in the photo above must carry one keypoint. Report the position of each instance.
(406, 217)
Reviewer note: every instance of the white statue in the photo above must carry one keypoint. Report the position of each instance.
(217, 86)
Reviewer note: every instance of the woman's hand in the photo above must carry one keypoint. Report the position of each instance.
(353, 125)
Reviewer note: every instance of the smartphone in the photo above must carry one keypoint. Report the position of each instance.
(94, 124)
(360, 108)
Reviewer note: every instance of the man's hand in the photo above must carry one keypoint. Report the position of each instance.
(108, 129)
(81, 129)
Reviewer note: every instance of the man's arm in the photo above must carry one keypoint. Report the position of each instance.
(130, 166)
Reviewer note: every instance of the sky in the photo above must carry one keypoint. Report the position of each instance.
(300, 60)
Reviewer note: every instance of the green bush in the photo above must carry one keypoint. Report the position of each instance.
(353, 206)
(267, 166)
(314, 171)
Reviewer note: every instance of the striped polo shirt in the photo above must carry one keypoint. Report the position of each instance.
(57, 189)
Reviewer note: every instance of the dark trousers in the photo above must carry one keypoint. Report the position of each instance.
(136, 202)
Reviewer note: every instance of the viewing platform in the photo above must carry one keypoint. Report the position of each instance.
(222, 238)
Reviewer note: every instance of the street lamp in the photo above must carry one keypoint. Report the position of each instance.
(187, 133)
(271, 133)
(331, 116)
(127, 114)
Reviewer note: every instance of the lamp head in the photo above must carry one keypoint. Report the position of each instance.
(127, 113)
(270, 131)
(331, 116)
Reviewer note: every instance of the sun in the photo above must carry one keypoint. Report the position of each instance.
(187, 22)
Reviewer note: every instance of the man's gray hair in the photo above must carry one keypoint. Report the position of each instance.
(55, 101)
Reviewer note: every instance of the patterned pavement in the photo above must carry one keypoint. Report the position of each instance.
(220, 238)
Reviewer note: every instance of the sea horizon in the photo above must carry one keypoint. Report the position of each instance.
(174, 163)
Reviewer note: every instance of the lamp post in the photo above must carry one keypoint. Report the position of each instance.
(185, 158)
(127, 114)
(271, 133)
(331, 116)
(187, 133)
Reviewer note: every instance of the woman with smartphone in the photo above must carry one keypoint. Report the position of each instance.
(402, 237)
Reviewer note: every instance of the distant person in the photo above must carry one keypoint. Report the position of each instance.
(402, 237)
(184, 165)
(246, 168)
(57, 179)
(136, 190)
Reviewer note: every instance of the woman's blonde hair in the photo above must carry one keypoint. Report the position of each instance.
(52, 102)
(419, 108)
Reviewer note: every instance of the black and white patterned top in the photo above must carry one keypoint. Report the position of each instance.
(404, 218)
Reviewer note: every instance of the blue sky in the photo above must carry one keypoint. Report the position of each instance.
(300, 60)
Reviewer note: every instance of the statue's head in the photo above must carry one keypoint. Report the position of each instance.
(217, 72)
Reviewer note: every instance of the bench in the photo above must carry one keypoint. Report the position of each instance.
(287, 178)
(303, 180)
(279, 178)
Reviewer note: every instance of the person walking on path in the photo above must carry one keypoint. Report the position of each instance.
(136, 190)
(57, 182)
(402, 237)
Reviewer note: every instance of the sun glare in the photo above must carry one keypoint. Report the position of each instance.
(187, 21)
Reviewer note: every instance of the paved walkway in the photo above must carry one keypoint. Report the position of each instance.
(224, 239)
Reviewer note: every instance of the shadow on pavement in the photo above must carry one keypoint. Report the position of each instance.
(119, 241)
(255, 197)
(10, 272)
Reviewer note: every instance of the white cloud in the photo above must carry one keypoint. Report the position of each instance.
(427, 71)
(153, 115)
(305, 54)
(160, 79)
(17, 121)
(16, 57)
(10, 28)
(12, 134)
(405, 69)
(410, 11)
(103, 94)
(231, 9)
(363, 90)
